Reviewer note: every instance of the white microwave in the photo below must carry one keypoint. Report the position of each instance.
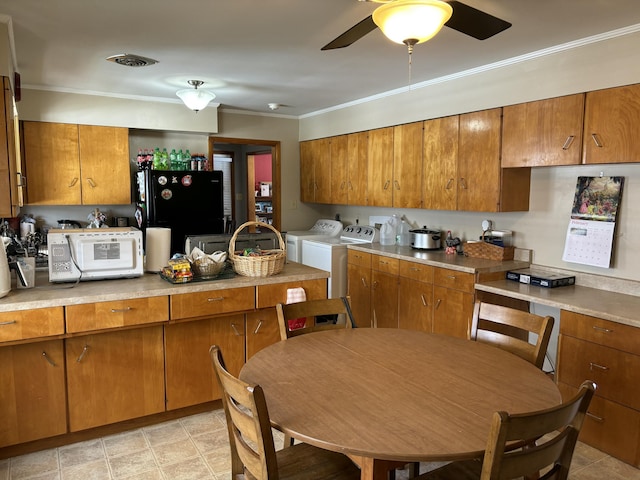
(94, 254)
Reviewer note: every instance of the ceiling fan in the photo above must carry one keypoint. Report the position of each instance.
(465, 19)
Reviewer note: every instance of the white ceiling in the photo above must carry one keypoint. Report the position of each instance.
(254, 52)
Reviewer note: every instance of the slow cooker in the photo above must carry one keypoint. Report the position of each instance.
(425, 239)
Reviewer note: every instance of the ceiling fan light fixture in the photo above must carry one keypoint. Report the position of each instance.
(193, 98)
(410, 22)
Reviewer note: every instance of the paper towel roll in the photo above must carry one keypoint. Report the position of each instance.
(158, 249)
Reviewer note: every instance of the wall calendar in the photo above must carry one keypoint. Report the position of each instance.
(593, 221)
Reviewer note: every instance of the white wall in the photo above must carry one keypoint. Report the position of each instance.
(591, 66)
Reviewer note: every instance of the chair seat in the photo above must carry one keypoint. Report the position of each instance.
(303, 461)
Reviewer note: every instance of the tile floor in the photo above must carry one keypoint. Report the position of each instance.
(195, 448)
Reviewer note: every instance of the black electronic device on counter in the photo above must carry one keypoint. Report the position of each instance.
(540, 278)
(187, 202)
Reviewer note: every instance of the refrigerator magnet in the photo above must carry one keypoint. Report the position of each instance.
(166, 194)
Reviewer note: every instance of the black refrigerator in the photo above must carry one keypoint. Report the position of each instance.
(187, 202)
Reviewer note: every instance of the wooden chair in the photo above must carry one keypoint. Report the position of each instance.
(253, 454)
(550, 457)
(509, 329)
(312, 310)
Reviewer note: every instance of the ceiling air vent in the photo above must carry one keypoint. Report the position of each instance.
(131, 60)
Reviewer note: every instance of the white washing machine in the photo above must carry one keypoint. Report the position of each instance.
(330, 254)
(323, 228)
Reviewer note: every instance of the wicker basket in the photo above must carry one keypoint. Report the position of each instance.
(270, 263)
(489, 251)
(207, 268)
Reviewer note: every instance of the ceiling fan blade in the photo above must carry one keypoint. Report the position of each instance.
(474, 22)
(355, 33)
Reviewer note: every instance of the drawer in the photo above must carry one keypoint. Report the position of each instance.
(119, 313)
(616, 373)
(447, 278)
(416, 271)
(271, 295)
(355, 257)
(609, 426)
(24, 324)
(385, 264)
(215, 302)
(603, 332)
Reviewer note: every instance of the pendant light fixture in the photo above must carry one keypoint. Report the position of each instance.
(410, 22)
(193, 98)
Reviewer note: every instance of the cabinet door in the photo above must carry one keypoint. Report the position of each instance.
(307, 191)
(610, 125)
(189, 374)
(479, 161)
(407, 165)
(440, 163)
(359, 291)
(10, 186)
(32, 397)
(542, 133)
(384, 299)
(262, 330)
(322, 170)
(452, 311)
(339, 170)
(106, 171)
(52, 163)
(114, 376)
(415, 305)
(358, 159)
(380, 168)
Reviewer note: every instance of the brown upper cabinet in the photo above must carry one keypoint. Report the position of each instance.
(407, 165)
(315, 171)
(380, 168)
(357, 159)
(10, 178)
(611, 126)
(543, 133)
(68, 164)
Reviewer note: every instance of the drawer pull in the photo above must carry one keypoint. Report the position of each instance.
(452, 277)
(595, 417)
(235, 330)
(215, 299)
(257, 327)
(120, 310)
(10, 322)
(424, 302)
(438, 303)
(414, 269)
(599, 367)
(48, 359)
(82, 354)
(568, 142)
(364, 282)
(602, 329)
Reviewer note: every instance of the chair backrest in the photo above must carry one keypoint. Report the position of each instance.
(250, 436)
(509, 329)
(314, 312)
(557, 430)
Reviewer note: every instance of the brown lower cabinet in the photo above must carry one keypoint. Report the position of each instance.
(608, 354)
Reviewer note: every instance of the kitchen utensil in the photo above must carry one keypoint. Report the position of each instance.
(425, 239)
(63, 224)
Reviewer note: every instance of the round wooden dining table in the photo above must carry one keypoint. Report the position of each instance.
(386, 396)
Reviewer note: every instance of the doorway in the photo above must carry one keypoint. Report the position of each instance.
(244, 153)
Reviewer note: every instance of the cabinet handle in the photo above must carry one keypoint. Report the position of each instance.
(449, 183)
(568, 142)
(414, 269)
(602, 329)
(374, 285)
(73, 182)
(342, 185)
(452, 277)
(235, 330)
(463, 184)
(438, 303)
(350, 186)
(91, 183)
(215, 299)
(48, 359)
(82, 354)
(424, 302)
(386, 185)
(397, 184)
(596, 140)
(364, 282)
(120, 310)
(257, 327)
(10, 322)
(595, 417)
(599, 367)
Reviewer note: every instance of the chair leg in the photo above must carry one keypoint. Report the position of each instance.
(288, 441)
(414, 469)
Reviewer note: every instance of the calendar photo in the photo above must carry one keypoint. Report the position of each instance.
(597, 198)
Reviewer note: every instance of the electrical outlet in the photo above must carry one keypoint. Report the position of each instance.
(293, 204)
